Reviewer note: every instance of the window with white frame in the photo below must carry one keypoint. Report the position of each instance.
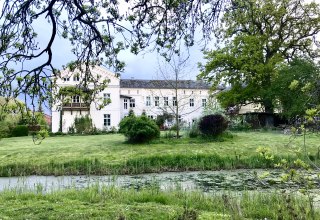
(165, 101)
(150, 116)
(76, 99)
(204, 102)
(148, 101)
(106, 97)
(174, 101)
(106, 120)
(156, 101)
(125, 104)
(191, 102)
(66, 79)
(132, 103)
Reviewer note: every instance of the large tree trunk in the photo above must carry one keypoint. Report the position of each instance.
(269, 109)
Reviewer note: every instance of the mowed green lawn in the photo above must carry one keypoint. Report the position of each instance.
(110, 151)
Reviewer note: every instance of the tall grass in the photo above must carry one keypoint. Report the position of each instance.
(113, 203)
(146, 164)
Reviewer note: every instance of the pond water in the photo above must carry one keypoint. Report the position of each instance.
(206, 181)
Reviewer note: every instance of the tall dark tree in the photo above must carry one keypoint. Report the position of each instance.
(255, 37)
(97, 31)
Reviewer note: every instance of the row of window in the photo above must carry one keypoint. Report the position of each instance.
(132, 104)
(174, 101)
(138, 92)
(157, 102)
(76, 78)
(76, 98)
(107, 119)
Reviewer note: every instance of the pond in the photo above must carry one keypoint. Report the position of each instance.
(206, 181)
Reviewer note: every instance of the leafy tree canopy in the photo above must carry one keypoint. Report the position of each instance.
(97, 31)
(296, 87)
(255, 37)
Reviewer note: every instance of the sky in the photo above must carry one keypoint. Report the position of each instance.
(141, 66)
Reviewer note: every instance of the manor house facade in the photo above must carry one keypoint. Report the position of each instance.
(154, 97)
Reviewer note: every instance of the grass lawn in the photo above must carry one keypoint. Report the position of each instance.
(105, 154)
(113, 203)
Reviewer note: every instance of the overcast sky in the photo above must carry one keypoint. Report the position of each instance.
(141, 66)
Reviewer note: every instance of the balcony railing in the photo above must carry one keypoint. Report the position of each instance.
(75, 106)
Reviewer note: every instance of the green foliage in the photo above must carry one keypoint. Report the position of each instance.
(5, 129)
(213, 125)
(252, 36)
(296, 87)
(83, 125)
(162, 118)
(238, 123)
(139, 129)
(11, 114)
(213, 107)
(68, 91)
(143, 130)
(19, 131)
(194, 130)
(126, 123)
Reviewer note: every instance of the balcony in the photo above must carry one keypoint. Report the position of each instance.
(76, 106)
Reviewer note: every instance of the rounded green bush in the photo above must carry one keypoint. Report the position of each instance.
(19, 131)
(139, 129)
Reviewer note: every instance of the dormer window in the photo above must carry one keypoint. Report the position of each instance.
(66, 79)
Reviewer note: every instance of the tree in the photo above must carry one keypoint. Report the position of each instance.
(296, 87)
(255, 37)
(11, 112)
(97, 30)
(173, 73)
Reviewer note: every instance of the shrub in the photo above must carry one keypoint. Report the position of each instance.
(143, 130)
(4, 129)
(169, 134)
(126, 124)
(83, 125)
(19, 131)
(238, 123)
(213, 125)
(139, 129)
(194, 131)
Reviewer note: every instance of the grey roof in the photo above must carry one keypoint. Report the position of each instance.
(163, 84)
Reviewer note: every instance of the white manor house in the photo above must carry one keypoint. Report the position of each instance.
(155, 97)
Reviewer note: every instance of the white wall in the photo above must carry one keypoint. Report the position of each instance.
(96, 114)
(184, 95)
(116, 107)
